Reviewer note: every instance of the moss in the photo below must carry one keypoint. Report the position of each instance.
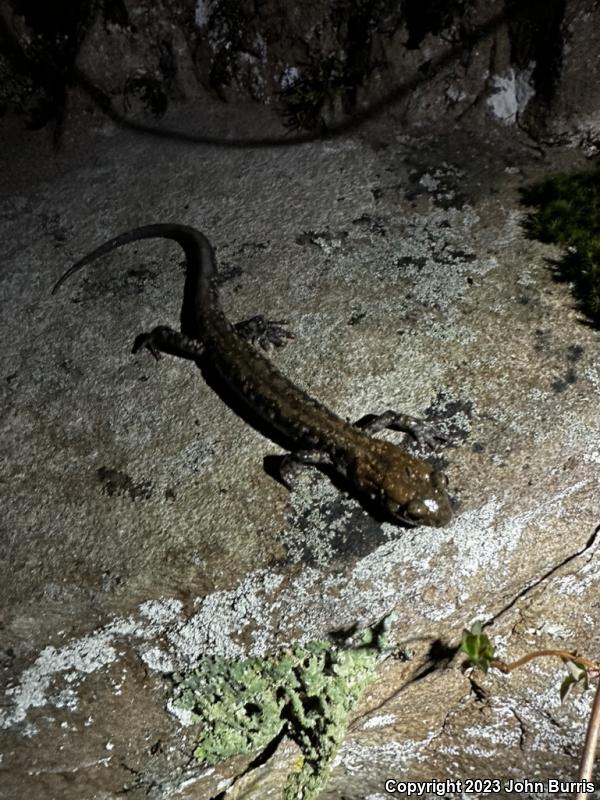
(306, 693)
(567, 213)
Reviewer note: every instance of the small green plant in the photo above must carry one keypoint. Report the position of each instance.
(567, 212)
(306, 693)
(480, 652)
(478, 648)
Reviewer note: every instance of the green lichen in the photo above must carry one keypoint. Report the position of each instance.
(567, 212)
(306, 693)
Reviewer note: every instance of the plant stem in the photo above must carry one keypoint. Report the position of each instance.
(509, 666)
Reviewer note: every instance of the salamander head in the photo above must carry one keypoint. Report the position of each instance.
(408, 488)
(429, 505)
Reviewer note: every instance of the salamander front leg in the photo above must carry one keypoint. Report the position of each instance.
(292, 464)
(421, 431)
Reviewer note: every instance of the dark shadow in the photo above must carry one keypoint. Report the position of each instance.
(51, 71)
(425, 73)
(439, 657)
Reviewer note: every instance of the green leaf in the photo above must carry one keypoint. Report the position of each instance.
(477, 646)
(577, 673)
(566, 686)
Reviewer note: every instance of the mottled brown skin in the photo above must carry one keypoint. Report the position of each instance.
(409, 489)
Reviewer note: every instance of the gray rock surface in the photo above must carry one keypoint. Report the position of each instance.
(139, 528)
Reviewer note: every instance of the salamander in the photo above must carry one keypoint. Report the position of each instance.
(404, 487)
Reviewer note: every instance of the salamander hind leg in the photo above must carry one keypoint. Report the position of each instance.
(421, 431)
(163, 339)
(264, 332)
(292, 464)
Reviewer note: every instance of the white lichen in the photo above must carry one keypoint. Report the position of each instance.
(512, 92)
